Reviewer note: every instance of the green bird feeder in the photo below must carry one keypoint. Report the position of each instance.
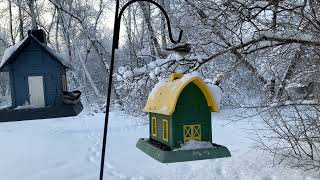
(180, 121)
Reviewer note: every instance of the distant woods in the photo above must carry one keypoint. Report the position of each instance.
(275, 44)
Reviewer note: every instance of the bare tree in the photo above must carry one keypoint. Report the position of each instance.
(291, 134)
(10, 22)
(21, 31)
(33, 14)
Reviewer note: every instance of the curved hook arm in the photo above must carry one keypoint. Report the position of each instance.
(154, 3)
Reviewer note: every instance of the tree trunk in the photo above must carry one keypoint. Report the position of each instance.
(57, 32)
(86, 71)
(153, 38)
(289, 74)
(163, 25)
(33, 14)
(129, 32)
(143, 24)
(10, 19)
(65, 33)
(275, 14)
(20, 21)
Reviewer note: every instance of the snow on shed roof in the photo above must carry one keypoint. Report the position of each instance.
(9, 51)
(164, 96)
(12, 50)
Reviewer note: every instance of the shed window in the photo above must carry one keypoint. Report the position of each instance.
(165, 128)
(5, 89)
(4, 84)
(154, 126)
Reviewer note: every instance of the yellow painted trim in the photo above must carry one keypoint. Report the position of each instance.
(164, 100)
(154, 127)
(174, 76)
(187, 133)
(165, 130)
(190, 132)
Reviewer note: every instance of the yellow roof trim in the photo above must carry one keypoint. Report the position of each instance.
(174, 76)
(164, 96)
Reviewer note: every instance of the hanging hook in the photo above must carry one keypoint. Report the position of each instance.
(118, 19)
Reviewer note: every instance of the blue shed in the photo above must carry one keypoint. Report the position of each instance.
(38, 81)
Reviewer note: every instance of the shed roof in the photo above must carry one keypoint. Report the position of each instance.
(164, 96)
(13, 51)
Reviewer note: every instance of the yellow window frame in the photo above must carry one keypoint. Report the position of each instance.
(154, 127)
(165, 130)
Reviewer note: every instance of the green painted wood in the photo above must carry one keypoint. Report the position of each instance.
(159, 136)
(192, 108)
(218, 151)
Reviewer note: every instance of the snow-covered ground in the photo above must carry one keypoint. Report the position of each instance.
(69, 149)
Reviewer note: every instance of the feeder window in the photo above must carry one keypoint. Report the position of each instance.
(154, 126)
(165, 126)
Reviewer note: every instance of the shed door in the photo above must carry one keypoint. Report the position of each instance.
(36, 91)
(192, 132)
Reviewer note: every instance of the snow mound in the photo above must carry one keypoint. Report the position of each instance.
(192, 144)
(128, 74)
(156, 88)
(152, 75)
(216, 93)
(27, 105)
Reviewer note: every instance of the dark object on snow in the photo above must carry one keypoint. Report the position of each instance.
(301, 91)
(182, 50)
(71, 97)
(305, 89)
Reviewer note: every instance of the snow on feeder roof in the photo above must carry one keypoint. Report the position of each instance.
(164, 96)
(9, 51)
(15, 50)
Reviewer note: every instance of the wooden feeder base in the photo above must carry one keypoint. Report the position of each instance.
(63, 110)
(218, 151)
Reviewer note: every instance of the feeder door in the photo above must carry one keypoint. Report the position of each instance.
(36, 91)
(192, 132)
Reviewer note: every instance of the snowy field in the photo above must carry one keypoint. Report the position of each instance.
(69, 149)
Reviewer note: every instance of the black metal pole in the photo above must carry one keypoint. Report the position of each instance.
(115, 43)
(105, 132)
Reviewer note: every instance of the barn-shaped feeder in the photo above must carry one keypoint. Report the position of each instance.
(180, 121)
(37, 77)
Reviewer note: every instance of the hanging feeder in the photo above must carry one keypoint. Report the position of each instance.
(180, 121)
(38, 81)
